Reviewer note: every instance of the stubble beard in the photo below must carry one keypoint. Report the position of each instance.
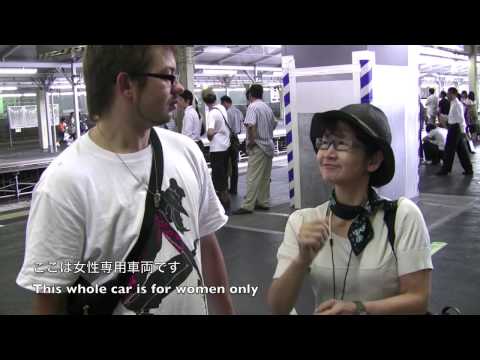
(161, 119)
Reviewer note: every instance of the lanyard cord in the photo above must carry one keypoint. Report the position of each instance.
(333, 261)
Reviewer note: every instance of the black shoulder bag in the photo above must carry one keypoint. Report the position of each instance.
(104, 304)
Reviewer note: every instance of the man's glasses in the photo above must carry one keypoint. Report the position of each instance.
(172, 78)
(339, 144)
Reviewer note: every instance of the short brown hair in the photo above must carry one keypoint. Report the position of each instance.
(208, 96)
(101, 65)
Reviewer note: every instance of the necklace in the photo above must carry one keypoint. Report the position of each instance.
(156, 195)
(333, 262)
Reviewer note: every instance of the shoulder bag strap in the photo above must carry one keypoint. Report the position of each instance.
(226, 122)
(147, 224)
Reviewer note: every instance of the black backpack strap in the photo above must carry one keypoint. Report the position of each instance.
(390, 212)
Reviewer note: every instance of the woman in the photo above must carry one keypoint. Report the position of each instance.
(343, 243)
(192, 125)
(472, 115)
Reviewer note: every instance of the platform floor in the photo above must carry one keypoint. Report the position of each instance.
(450, 205)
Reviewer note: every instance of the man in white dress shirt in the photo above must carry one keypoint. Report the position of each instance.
(455, 137)
(192, 124)
(235, 120)
(432, 106)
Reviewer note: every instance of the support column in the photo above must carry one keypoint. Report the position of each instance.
(43, 131)
(75, 78)
(291, 125)
(185, 69)
(365, 60)
(326, 78)
(472, 72)
(52, 123)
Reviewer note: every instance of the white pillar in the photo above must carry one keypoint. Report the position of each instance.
(472, 72)
(291, 125)
(75, 99)
(52, 123)
(42, 119)
(185, 69)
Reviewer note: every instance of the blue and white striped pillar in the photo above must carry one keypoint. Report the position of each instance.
(366, 94)
(288, 126)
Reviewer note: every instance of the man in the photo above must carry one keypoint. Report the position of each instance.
(260, 123)
(434, 143)
(72, 127)
(455, 137)
(421, 120)
(219, 137)
(443, 109)
(88, 206)
(235, 120)
(432, 106)
(192, 125)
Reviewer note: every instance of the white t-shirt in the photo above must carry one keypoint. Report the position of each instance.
(192, 126)
(438, 136)
(374, 274)
(215, 120)
(87, 207)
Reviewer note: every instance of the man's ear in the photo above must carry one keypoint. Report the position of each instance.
(124, 85)
(375, 161)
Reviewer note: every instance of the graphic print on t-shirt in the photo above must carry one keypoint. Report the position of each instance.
(174, 251)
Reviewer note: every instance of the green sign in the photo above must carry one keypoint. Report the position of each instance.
(436, 246)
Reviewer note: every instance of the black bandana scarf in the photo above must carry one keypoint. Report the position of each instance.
(361, 230)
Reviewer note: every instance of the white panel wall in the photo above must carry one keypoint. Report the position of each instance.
(394, 93)
(312, 97)
(322, 96)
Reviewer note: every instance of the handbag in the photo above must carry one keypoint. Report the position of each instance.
(104, 304)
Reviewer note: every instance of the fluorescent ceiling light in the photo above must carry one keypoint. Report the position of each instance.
(236, 67)
(70, 93)
(222, 67)
(66, 87)
(17, 71)
(269, 68)
(8, 88)
(452, 47)
(433, 60)
(273, 46)
(217, 50)
(218, 72)
(442, 53)
(18, 95)
(275, 74)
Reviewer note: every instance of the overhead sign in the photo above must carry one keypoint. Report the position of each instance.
(23, 117)
(274, 95)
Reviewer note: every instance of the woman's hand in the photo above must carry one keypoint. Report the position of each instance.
(336, 307)
(311, 239)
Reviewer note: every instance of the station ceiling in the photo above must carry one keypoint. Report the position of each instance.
(435, 60)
